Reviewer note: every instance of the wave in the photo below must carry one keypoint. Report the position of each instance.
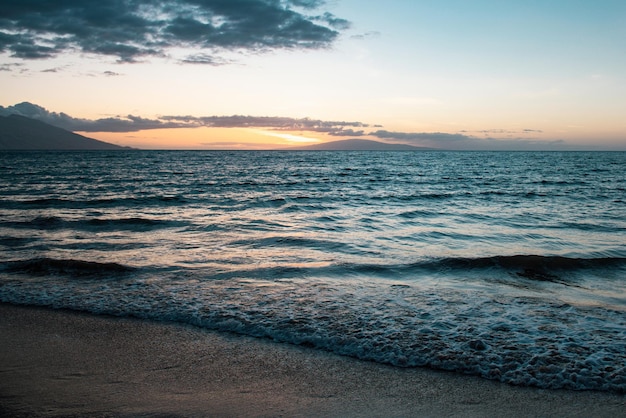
(65, 267)
(66, 203)
(96, 224)
(299, 242)
(9, 241)
(132, 223)
(531, 265)
(532, 341)
(537, 267)
(556, 269)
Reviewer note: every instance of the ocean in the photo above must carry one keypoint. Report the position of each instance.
(506, 265)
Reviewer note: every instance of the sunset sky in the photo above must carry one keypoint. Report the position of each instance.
(249, 74)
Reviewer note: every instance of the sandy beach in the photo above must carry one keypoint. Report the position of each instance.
(61, 363)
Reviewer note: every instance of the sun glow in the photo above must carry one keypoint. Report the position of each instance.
(289, 137)
(202, 138)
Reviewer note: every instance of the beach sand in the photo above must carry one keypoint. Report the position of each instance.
(61, 363)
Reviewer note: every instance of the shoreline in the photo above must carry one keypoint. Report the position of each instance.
(65, 363)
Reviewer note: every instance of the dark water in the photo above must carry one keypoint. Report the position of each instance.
(511, 266)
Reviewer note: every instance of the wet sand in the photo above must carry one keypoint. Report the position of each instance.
(61, 363)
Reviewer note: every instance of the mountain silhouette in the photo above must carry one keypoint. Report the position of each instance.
(22, 133)
(357, 145)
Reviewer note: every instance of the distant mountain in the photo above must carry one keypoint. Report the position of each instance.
(22, 133)
(357, 145)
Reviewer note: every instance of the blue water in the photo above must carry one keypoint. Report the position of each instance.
(507, 265)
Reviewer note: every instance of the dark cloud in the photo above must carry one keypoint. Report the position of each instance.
(308, 4)
(204, 59)
(347, 132)
(133, 29)
(334, 22)
(10, 67)
(273, 122)
(131, 123)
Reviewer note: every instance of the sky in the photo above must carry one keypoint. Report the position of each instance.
(264, 74)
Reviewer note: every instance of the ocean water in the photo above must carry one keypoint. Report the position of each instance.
(506, 265)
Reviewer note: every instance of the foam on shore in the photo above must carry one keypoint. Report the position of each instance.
(56, 363)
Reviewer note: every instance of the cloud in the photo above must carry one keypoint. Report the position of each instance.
(10, 67)
(132, 30)
(308, 4)
(131, 123)
(334, 22)
(204, 59)
(508, 132)
(274, 122)
(347, 132)
(366, 35)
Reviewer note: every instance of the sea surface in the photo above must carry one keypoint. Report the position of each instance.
(506, 265)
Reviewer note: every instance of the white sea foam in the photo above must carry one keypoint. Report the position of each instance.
(524, 338)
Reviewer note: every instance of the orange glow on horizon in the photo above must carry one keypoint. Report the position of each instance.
(206, 138)
(201, 138)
